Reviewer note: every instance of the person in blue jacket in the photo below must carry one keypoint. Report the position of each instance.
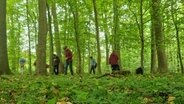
(22, 62)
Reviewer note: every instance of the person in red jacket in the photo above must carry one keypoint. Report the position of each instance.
(68, 59)
(113, 61)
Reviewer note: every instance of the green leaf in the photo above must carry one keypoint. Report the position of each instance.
(52, 101)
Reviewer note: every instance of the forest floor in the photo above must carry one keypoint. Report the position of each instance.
(89, 89)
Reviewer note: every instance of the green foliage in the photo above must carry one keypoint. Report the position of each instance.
(107, 90)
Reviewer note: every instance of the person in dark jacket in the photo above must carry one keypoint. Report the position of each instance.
(113, 61)
(93, 65)
(68, 59)
(56, 62)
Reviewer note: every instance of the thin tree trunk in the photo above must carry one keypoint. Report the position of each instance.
(106, 39)
(140, 26)
(142, 33)
(88, 44)
(65, 23)
(77, 38)
(57, 37)
(28, 34)
(153, 47)
(12, 43)
(153, 53)
(177, 37)
(116, 42)
(97, 37)
(50, 39)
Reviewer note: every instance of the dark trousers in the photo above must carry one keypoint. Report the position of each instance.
(92, 69)
(56, 69)
(68, 63)
(115, 67)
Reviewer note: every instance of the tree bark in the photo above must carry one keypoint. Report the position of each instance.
(4, 65)
(42, 35)
(97, 37)
(77, 38)
(157, 23)
(116, 43)
(50, 39)
(28, 34)
(174, 18)
(106, 38)
(153, 47)
(142, 33)
(57, 36)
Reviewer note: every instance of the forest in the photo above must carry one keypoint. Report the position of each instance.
(146, 34)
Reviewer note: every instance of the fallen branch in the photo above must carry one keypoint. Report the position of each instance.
(115, 73)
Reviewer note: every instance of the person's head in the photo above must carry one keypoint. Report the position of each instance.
(54, 55)
(113, 51)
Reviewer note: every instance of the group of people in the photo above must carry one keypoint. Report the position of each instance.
(68, 61)
(113, 61)
(56, 62)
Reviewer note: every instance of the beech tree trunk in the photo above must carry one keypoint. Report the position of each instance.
(159, 36)
(4, 65)
(42, 35)
(97, 37)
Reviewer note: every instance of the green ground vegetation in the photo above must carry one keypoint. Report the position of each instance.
(88, 89)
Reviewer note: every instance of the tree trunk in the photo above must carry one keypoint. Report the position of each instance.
(12, 42)
(42, 35)
(116, 43)
(153, 47)
(77, 38)
(50, 39)
(106, 39)
(157, 25)
(4, 65)
(174, 18)
(97, 37)
(28, 34)
(57, 36)
(142, 33)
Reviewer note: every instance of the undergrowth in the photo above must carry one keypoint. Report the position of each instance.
(88, 89)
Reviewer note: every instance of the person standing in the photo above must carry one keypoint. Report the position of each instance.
(68, 59)
(22, 62)
(93, 65)
(56, 62)
(113, 61)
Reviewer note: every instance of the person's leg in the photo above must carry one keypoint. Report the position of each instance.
(116, 67)
(93, 69)
(113, 68)
(56, 69)
(22, 68)
(90, 70)
(71, 68)
(66, 67)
